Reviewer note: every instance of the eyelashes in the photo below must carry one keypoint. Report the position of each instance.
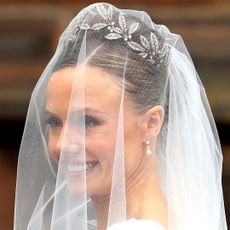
(88, 122)
(91, 122)
(53, 122)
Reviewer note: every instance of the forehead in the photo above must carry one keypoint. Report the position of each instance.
(83, 83)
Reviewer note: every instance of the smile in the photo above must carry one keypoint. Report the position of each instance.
(79, 167)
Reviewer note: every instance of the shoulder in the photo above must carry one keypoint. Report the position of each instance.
(134, 224)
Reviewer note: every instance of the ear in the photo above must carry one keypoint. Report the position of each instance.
(153, 120)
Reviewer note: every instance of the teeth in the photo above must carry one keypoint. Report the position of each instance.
(81, 167)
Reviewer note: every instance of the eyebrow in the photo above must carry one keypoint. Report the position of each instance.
(79, 111)
(86, 110)
(91, 110)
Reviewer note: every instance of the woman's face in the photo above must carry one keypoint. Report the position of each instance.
(82, 114)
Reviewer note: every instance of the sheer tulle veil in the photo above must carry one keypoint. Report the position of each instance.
(78, 165)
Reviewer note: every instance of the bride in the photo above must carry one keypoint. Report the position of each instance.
(119, 133)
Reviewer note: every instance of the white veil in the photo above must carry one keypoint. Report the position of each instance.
(74, 173)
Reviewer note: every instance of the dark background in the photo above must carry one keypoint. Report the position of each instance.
(29, 30)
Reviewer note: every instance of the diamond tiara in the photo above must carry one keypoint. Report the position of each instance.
(147, 48)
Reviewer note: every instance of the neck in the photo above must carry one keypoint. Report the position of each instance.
(144, 200)
(101, 205)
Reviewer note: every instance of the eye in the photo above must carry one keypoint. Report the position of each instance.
(90, 122)
(53, 123)
(82, 121)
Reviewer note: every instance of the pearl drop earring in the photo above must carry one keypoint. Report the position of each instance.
(148, 150)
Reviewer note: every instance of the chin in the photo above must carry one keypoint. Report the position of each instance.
(88, 185)
(93, 190)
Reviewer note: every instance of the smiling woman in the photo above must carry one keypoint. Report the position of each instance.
(91, 121)
(119, 134)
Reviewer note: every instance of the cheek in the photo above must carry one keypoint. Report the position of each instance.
(101, 145)
(101, 148)
(52, 146)
(133, 149)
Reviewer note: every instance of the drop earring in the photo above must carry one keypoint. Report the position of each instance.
(148, 149)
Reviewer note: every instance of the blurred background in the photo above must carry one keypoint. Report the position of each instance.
(29, 31)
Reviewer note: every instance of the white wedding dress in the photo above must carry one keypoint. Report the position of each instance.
(134, 224)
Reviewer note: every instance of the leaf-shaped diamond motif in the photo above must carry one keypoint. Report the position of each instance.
(118, 30)
(167, 58)
(76, 30)
(136, 46)
(71, 27)
(98, 26)
(110, 13)
(113, 36)
(145, 42)
(164, 50)
(154, 42)
(143, 55)
(122, 22)
(133, 28)
(102, 11)
(164, 56)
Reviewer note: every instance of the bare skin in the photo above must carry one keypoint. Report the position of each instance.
(101, 103)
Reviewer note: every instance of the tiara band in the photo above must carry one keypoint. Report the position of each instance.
(147, 48)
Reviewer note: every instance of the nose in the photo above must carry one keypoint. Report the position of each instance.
(69, 142)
